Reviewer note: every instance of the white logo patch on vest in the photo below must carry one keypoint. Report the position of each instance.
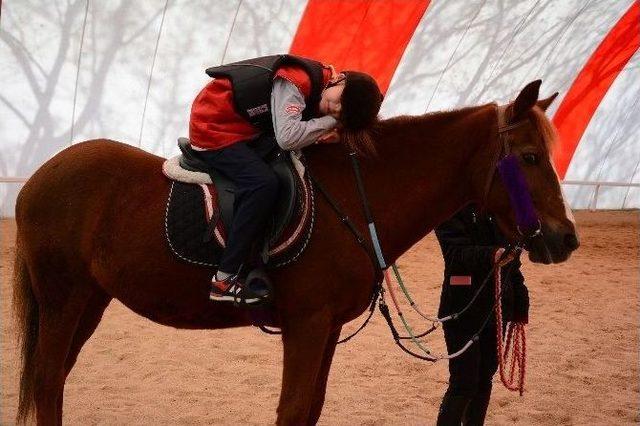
(258, 110)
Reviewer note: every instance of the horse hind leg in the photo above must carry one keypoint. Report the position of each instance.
(91, 317)
(57, 328)
(55, 306)
(87, 324)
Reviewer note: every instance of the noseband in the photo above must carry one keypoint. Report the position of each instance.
(512, 177)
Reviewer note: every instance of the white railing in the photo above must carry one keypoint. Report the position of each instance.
(598, 184)
(592, 204)
(13, 179)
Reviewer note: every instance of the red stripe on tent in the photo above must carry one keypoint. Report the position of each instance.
(363, 35)
(593, 82)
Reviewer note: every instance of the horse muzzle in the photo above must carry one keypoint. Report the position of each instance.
(552, 246)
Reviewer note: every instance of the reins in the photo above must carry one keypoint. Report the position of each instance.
(381, 270)
(428, 355)
(515, 335)
(503, 163)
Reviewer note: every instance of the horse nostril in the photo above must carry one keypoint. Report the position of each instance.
(571, 241)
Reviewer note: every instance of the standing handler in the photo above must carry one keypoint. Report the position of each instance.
(470, 244)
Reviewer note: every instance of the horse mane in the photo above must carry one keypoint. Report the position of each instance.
(363, 142)
(422, 125)
(432, 116)
(544, 127)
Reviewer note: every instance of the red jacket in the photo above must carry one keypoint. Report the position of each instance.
(214, 122)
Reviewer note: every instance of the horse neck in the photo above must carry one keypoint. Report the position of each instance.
(427, 168)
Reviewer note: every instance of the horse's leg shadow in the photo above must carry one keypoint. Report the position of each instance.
(323, 375)
(304, 340)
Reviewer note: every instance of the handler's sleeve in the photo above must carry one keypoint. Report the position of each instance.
(516, 276)
(287, 104)
(458, 248)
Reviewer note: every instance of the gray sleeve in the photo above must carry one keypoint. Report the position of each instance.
(287, 104)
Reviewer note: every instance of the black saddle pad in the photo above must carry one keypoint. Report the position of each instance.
(187, 227)
(195, 231)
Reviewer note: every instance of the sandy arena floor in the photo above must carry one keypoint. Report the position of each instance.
(582, 362)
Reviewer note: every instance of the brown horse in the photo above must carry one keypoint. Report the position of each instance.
(90, 228)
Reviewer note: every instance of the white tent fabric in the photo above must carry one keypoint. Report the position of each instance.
(83, 69)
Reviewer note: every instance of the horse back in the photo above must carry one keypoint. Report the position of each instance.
(70, 181)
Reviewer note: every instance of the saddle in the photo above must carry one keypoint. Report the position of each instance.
(200, 210)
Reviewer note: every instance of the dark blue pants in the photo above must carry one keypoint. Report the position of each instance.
(256, 192)
(470, 374)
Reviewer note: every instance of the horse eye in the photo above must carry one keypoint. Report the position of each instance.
(531, 159)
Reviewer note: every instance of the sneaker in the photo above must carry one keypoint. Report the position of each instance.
(231, 290)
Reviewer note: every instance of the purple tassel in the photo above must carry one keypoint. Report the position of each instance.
(521, 203)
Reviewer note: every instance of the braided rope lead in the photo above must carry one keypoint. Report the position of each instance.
(512, 348)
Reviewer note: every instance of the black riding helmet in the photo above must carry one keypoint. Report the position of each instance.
(361, 100)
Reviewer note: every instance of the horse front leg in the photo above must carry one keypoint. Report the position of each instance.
(305, 340)
(323, 377)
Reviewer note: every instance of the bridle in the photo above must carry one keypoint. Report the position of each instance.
(506, 165)
(503, 148)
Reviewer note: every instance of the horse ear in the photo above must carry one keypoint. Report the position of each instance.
(544, 103)
(526, 99)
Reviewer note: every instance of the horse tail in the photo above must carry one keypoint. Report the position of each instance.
(26, 312)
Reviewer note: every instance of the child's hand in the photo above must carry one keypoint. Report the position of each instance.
(331, 136)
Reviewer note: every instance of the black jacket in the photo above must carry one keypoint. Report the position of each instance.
(252, 81)
(469, 241)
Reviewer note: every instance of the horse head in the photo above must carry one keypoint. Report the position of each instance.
(523, 190)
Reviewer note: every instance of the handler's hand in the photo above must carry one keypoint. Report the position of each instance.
(504, 261)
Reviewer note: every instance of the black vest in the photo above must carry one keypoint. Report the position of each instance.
(252, 82)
